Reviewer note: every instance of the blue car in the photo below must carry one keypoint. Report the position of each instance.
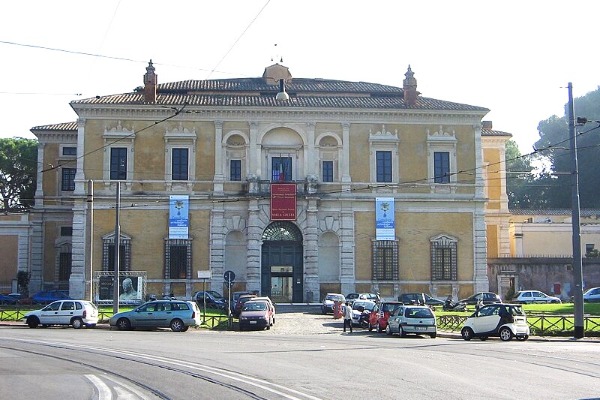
(48, 296)
(9, 300)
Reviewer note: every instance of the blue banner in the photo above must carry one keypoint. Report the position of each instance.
(385, 223)
(179, 216)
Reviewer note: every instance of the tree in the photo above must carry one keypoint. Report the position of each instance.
(18, 168)
(555, 146)
(526, 187)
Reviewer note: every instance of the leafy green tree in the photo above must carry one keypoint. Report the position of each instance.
(526, 186)
(554, 144)
(18, 168)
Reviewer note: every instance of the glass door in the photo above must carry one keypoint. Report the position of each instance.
(282, 284)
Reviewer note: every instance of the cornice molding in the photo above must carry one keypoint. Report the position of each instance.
(422, 117)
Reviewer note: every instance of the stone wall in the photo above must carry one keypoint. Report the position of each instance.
(553, 276)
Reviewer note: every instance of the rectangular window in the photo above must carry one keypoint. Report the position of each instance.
(118, 163)
(180, 164)
(327, 171)
(385, 260)
(69, 151)
(384, 166)
(111, 257)
(235, 170)
(443, 261)
(281, 168)
(64, 267)
(66, 231)
(68, 179)
(441, 167)
(178, 259)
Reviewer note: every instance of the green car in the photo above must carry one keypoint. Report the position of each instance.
(178, 315)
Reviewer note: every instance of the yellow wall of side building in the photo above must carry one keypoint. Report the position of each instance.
(494, 182)
(9, 245)
(414, 243)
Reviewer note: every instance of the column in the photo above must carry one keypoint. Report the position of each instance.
(311, 252)
(218, 178)
(254, 246)
(345, 172)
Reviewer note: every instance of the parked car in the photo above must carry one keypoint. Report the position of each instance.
(178, 315)
(268, 300)
(362, 306)
(77, 313)
(329, 300)
(239, 304)
(256, 314)
(592, 295)
(419, 320)
(421, 299)
(382, 315)
(350, 297)
(486, 297)
(48, 296)
(213, 299)
(503, 320)
(533, 296)
(8, 300)
(234, 297)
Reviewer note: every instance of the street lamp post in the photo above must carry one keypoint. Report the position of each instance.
(577, 261)
(117, 250)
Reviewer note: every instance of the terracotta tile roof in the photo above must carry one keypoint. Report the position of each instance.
(64, 126)
(304, 93)
(491, 132)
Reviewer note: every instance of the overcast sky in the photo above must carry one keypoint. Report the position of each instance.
(512, 57)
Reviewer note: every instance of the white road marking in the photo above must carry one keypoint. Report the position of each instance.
(104, 392)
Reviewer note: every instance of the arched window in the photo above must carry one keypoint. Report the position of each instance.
(282, 230)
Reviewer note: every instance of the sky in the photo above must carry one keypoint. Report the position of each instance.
(513, 57)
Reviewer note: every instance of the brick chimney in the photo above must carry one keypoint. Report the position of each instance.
(486, 125)
(150, 82)
(410, 88)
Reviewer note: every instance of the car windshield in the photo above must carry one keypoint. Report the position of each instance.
(367, 305)
(334, 297)
(255, 306)
(216, 295)
(352, 296)
(418, 313)
(389, 307)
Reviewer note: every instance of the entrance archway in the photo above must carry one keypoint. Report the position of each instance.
(282, 268)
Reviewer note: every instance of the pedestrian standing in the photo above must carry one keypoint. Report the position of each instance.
(347, 311)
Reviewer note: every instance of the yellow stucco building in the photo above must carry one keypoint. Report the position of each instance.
(298, 186)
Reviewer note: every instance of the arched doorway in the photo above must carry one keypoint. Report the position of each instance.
(282, 268)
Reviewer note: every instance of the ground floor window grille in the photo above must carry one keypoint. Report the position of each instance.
(108, 254)
(178, 259)
(443, 259)
(385, 260)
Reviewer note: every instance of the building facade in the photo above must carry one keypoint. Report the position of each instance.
(298, 186)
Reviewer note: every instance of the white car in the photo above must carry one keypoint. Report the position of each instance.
(77, 313)
(419, 320)
(503, 320)
(592, 295)
(533, 296)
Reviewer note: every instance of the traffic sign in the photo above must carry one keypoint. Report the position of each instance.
(229, 276)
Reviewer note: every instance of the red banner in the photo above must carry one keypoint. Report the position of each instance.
(283, 201)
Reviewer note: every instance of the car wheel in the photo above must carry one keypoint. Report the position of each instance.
(467, 333)
(379, 328)
(401, 332)
(123, 324)
(177, 325)
(433, 335)
(483, 338)
(77, 323)
(388, 331)
(33, 322)
(505, 334)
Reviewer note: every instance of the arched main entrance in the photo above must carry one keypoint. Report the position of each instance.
(281, 266)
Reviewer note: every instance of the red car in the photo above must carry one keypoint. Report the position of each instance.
(379, 317)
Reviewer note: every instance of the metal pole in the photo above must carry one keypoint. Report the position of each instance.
(90, 235)
(117, 250)
(577, 262)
